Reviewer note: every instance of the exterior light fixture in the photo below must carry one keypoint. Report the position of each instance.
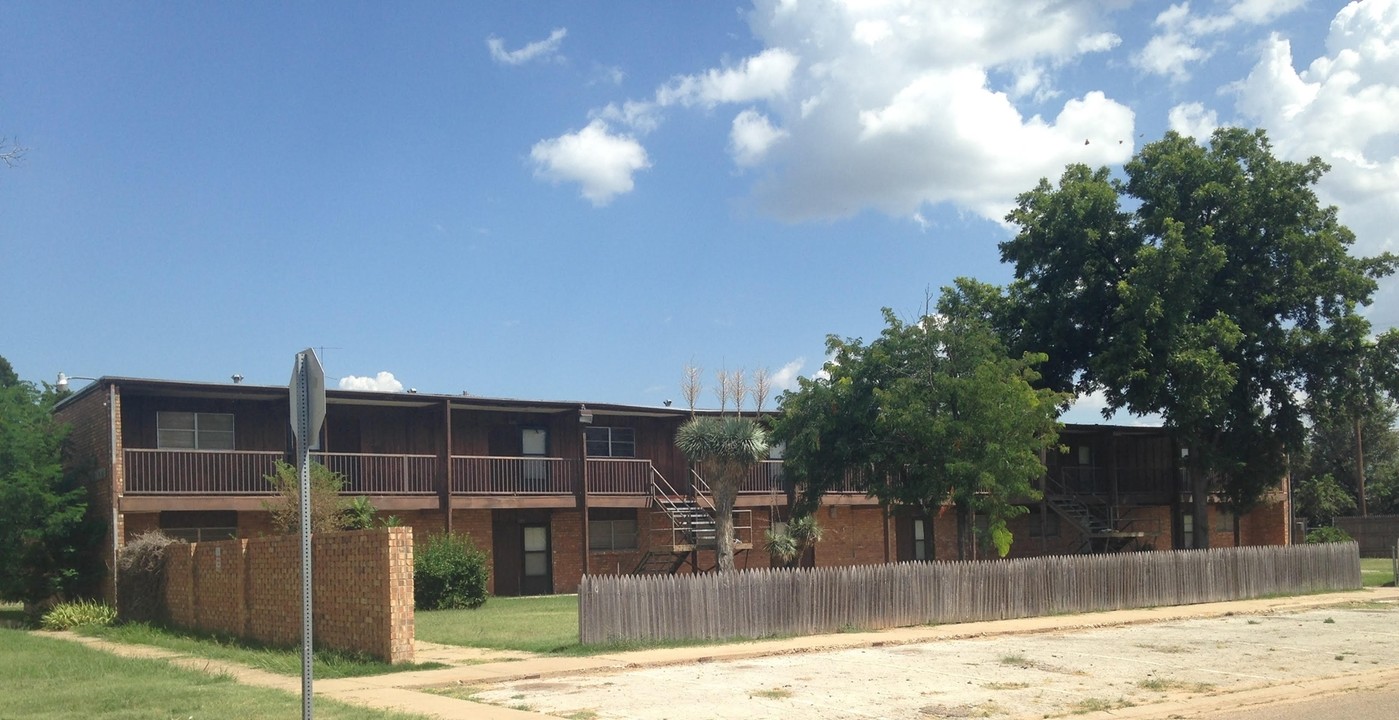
(61, 384)
(585, 415)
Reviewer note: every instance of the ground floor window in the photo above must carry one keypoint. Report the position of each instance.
(612, 529)
(199, 525)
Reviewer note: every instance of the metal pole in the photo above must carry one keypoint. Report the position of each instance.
(303, 456)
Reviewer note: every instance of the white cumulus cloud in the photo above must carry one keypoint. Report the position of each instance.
(1194, 120)
(786, 377)
(537, 50)
(1180, 34)
(382, 382)
(601, 162)
(751, 136)
(1341, 108)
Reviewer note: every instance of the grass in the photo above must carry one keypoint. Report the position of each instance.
(50, 679)
(1167, 684)
(12, 616)
(773, 693)
(283, 661)
(544, 624)
(1094, 704)
(1377, 572)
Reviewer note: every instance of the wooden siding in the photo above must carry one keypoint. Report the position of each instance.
(257, 424)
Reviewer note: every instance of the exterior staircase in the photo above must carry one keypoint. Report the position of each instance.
(692, 528)
(1102, 529)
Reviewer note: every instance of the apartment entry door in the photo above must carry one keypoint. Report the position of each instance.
(522, 552)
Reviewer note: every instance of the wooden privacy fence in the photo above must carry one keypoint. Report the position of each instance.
(763, 603)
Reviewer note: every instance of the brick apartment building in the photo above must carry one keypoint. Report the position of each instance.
(520, 477)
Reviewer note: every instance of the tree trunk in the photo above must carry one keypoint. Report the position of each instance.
(1360, 468)
(725, 493)
(1199, 499)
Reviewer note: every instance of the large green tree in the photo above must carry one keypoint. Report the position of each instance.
(48, 544)
(1207, 284)
(933, 411)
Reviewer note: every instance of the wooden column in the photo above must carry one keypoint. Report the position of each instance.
(445, 474)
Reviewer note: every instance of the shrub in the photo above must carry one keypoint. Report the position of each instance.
(327, 507)
(1328, 534)
(141, 578)
(69, 615)
(358, 514)
(449, 571)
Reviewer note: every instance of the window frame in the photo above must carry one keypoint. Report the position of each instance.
(612, 529)
(200, 438)
(612, 441)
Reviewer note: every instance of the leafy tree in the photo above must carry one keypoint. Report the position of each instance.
(1208, 286)
(1331, 452)
(48, 541)
(933, 411)
(1320, 499)
(328, 509)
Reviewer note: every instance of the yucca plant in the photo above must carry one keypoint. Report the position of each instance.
(727, 446)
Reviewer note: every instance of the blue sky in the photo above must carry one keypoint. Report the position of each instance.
(559, 200)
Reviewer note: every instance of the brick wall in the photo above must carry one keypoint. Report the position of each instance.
(179, 584)
(220, 587)
(135, 524)
(852, 535)
(566, 533)
(362, 593)
(89, 448)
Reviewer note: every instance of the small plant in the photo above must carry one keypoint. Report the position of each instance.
(1329, 621)
(449, 572)
(358, 514)
(773, 693)
(83, 613)
(1327, 534)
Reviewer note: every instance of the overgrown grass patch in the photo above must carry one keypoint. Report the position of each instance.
(1377, 572)
(46, 678)
(283, 661)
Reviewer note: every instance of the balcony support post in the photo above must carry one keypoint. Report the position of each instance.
(582, 490)
(444, 472)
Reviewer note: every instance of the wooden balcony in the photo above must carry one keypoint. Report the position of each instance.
(513, 475)
(244, 472)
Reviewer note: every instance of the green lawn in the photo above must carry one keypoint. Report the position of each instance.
(284, 661)
(51, 679)
(1376, 572)
(544, 624)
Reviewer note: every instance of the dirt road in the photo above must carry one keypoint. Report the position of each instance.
(1191, 668)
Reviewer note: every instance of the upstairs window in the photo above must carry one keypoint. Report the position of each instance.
(194, 431)
(611, 442)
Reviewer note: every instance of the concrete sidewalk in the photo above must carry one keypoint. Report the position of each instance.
(405, 691)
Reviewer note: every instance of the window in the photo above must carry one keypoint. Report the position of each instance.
(611, 442)
(610, 529)
(920, 539)
(199, 525)
(1223, 520)
(1085, 455)
(194, 431)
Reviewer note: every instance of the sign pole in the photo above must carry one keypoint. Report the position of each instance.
(307, 414)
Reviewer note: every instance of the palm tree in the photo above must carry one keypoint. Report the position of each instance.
(728, 446)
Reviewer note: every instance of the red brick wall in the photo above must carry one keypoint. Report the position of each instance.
(363, 591)
(135, 524)
(566, 533)
(852, 535)
(89, 446)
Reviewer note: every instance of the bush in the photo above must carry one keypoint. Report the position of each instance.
(141, 578)
(1328, 534)
(69, 615)
(327, 507)
(449, 571)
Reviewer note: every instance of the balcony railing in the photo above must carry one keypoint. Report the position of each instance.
(763, 478)
(372, 474)
(199, 472)
(243, 472)
(618, 476)
(513, 475)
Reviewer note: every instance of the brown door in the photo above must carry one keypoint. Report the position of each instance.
(536, 577)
